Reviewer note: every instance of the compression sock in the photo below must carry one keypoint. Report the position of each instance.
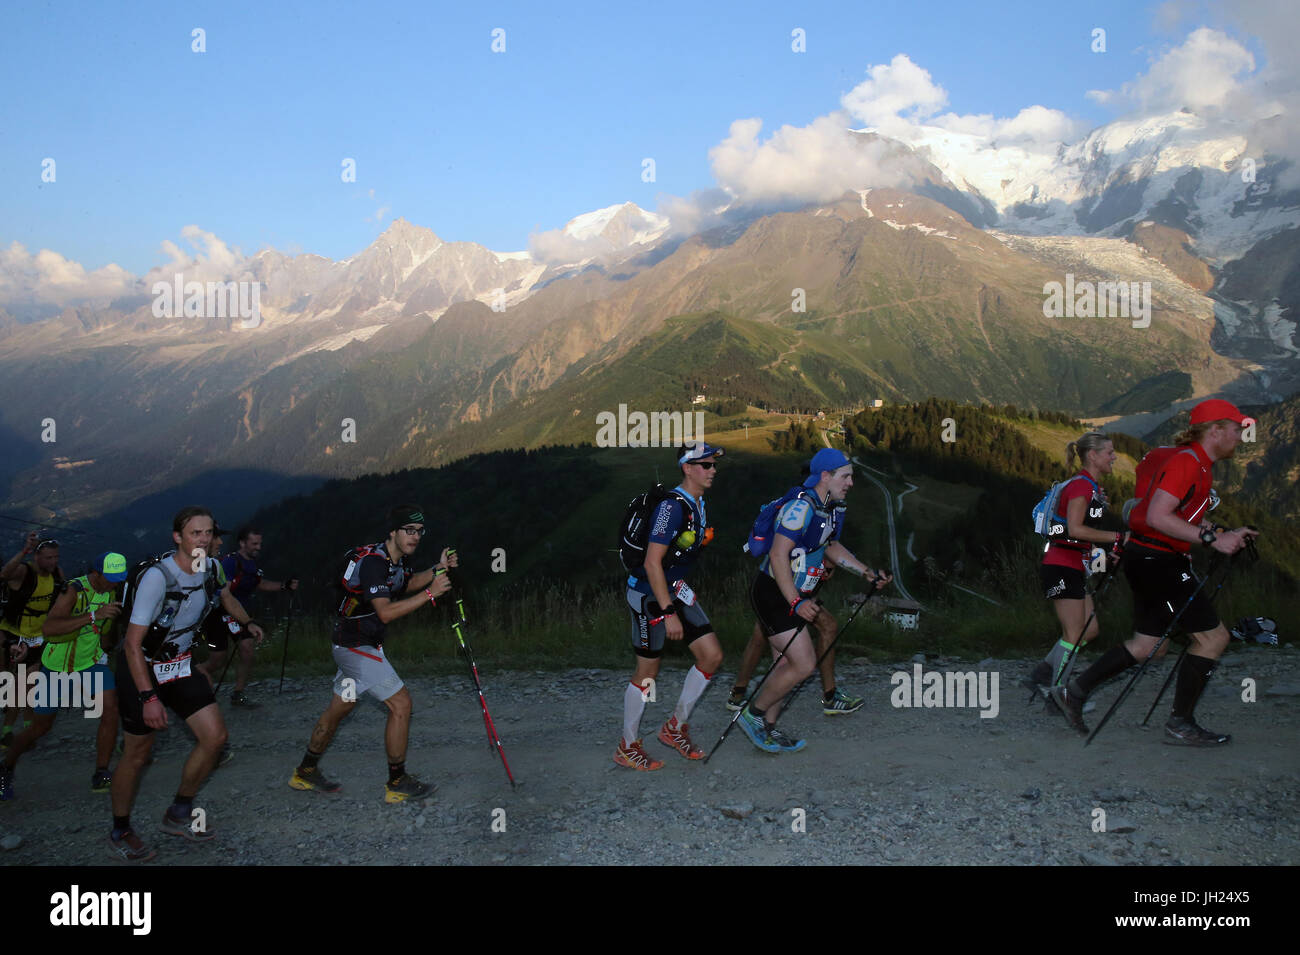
(1113, 661)
(396, 771)
(634, 700)
(1192, 677)
(697, 681)
(310, 760)
(1056, 657)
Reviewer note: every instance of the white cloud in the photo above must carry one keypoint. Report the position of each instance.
(1204, 74)
(47, 278)
(892, 89)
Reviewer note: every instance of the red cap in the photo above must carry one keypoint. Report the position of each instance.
(1216, 409)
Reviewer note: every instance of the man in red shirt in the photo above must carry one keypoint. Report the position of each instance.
(1174, 488)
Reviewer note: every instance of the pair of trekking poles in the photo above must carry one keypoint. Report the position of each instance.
(1252, 555)
(794, 693)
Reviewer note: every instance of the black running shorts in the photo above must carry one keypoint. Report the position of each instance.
(1062, 583)
(648, 638)
(771, 607)
(1161, 585)
(219, 628)
(184, 697)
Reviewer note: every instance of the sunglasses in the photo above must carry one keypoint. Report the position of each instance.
(46, 544)
(705, 465)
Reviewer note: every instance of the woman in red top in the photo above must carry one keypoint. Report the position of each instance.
(1082, 504)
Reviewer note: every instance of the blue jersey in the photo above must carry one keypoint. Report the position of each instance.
(811, 529)
(243, 574)
(668, 521)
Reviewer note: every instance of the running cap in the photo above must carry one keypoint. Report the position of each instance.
(1216, 409)
(698, 452)
(827, 459)
(405, 514)
(112, 565)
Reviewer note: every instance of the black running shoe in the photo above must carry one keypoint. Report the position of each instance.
(1181, 732)
(1070, 702)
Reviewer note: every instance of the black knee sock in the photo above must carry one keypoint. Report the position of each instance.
(396, 771)
(310, 760)
(1192, 677)
(1113, 661)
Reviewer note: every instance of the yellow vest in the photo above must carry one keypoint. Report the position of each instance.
(34, 614)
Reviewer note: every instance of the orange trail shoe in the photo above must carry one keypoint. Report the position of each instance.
(633, 756)
(676, 735)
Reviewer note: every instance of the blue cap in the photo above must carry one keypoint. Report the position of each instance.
(827, 459)
(699, 451)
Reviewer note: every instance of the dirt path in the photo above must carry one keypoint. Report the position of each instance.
(885, 785)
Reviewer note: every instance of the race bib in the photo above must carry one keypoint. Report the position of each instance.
(684, 593)
(177, 669)
(811, 580)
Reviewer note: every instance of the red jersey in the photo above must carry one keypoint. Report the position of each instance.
(1069, 552)
(1186, 473)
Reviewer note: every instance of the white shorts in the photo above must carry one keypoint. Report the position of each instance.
(365, 670)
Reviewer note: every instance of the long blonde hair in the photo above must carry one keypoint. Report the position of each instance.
(1091, 441)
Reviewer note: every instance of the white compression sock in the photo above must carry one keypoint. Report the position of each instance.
(697, 681)
(633, 707)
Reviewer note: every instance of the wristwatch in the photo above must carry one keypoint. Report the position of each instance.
(1208, 537)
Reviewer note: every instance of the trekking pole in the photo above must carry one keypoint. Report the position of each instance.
(230, 655)
(1252, 555)
(1154, 650)
(494, 740)
(754, 692)
(789, 700)
(284, 657)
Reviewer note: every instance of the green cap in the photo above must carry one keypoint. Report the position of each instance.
(112, 565)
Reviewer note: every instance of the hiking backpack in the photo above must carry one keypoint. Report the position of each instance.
(173, 598)
(634, 531)
(1048, 522)
(762, 533)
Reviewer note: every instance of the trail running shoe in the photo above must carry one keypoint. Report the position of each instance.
(239, 699)
(101, 782)
(1070, 702)
(634, 757)
(1088, 705)
(313, 779)
(1041, 674)
(767, 738)
(227, 754)
(841, 702)
(736, 698)
(130, 848)
(407, 787)
(185, 828)
(1181, 732)
(6, 783)
(677, 736)
(783, 743)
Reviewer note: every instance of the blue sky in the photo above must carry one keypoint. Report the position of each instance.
(246, 140)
